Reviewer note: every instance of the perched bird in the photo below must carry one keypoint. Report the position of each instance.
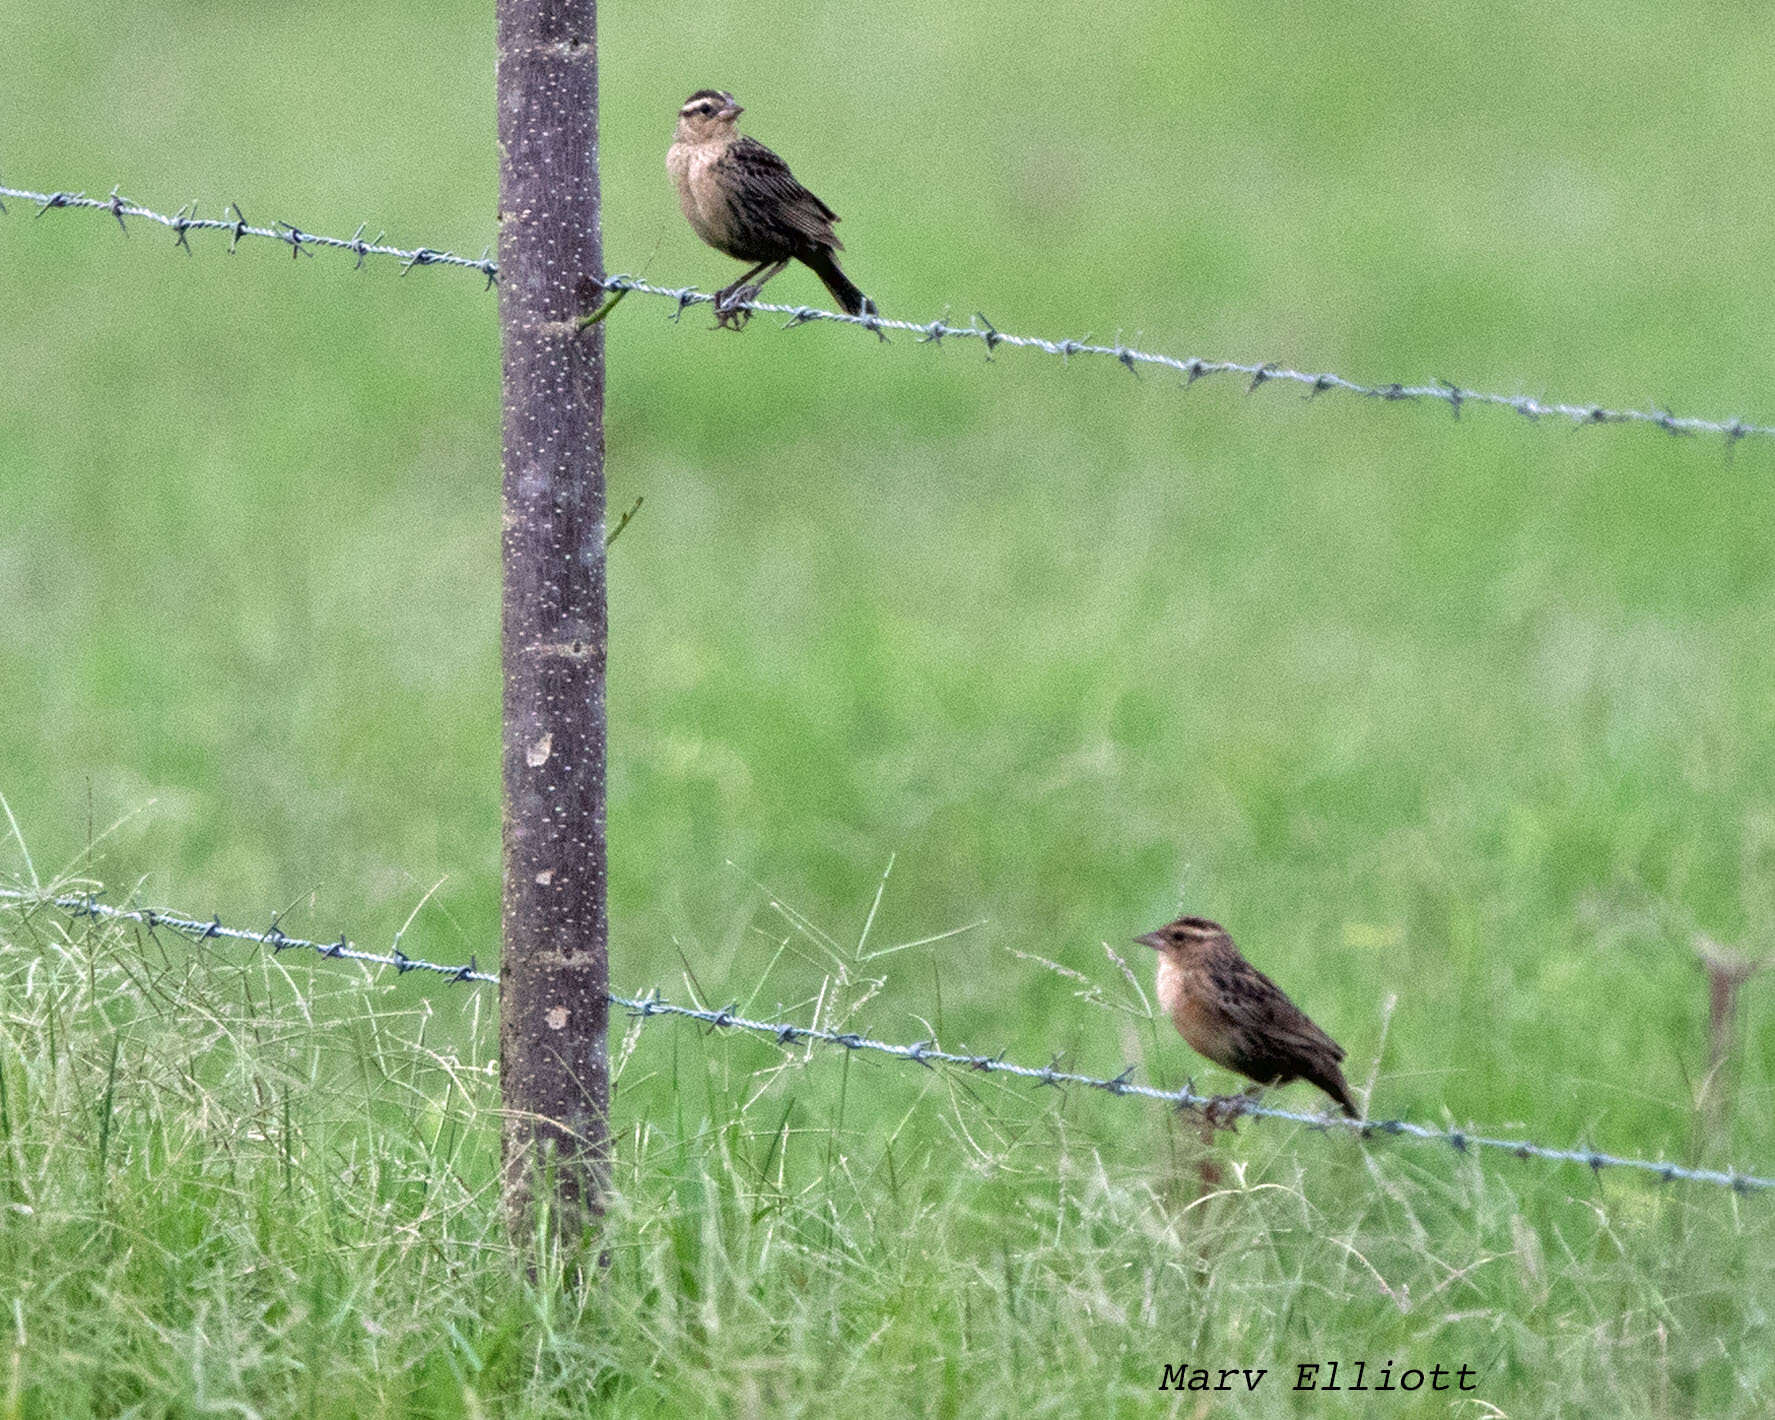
(742, 199)
(1231, 1012)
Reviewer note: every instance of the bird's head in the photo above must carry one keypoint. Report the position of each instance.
(708, 113)
(1187, 935)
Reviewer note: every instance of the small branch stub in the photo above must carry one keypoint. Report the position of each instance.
(1727, 971)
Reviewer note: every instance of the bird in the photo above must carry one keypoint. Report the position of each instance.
(1228, 1010)
(741, 199)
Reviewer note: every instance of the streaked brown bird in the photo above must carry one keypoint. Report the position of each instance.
(742, 199)
(1231, 1012)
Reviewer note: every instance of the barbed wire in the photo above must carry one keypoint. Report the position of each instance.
(1256, 374)
(1193, 368)
(926, 1053)
(200, 930)
(300, 242)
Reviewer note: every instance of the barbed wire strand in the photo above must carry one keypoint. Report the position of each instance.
(199, 930)
(300, 242)
(1192, 368)
(926, 1053)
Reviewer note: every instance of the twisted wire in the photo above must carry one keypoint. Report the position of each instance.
(1194, 368)
(300, 242)
(926, 1053)
(1255, 373)
(200, 930)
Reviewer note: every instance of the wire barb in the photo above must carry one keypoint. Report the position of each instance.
(295, 236)
(181, 224)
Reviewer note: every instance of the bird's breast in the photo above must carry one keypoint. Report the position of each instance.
(699, 195)
(1170, 987)
(1192, 1009)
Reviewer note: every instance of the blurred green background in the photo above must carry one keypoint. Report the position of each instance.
(1478, 715)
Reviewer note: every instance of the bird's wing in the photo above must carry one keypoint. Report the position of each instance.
(766, 176)
(1273, 1034)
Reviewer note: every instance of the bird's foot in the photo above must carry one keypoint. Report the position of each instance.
(1223, 1111)
(730, 310)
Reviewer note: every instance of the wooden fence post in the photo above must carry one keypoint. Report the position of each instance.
(554, 973)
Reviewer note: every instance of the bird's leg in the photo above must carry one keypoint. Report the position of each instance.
(727, 299)
(725, 314)
(744, 292)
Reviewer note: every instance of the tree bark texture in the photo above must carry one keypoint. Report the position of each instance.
(554, 975)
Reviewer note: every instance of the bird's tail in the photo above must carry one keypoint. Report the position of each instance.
(843, 289)
(1333, 1083)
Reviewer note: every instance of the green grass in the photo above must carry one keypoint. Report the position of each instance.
(271, 1190)
(1470, 718)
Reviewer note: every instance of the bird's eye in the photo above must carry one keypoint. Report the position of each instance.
(705, 109)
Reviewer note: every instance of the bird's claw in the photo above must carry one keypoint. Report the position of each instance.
(730, 308)
(1223, 1111)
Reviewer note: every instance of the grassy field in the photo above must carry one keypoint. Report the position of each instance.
(1464, 729)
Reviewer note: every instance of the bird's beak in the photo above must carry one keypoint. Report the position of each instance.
(1151, 939)
(730, 112)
